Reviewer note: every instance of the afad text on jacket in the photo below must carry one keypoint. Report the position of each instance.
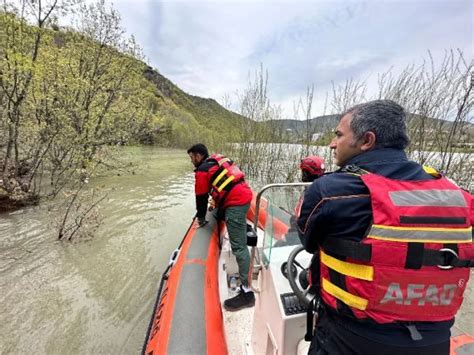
(413, 264)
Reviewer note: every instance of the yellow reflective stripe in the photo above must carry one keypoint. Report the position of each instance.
(405, 240)
(346, 297)
(219, 177)
(421, 234)
(363, 272)
(225, 183)
(453, 230)
(431, 171)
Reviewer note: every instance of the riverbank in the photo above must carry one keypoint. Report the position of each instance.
(95, 296)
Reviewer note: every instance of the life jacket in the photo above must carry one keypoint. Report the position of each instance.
(413, 263)
(225, 178)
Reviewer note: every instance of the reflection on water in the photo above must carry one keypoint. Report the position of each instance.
(95, 296)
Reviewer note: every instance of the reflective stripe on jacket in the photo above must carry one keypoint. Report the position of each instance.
(224, 178)
(239, 195)
(393, 276)
(336, 207)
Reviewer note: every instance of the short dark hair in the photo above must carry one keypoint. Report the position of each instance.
(199, 149)
(385, 118)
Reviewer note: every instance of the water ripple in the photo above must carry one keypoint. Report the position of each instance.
(62, 295)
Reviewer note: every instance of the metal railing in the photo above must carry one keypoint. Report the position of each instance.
(255, 223)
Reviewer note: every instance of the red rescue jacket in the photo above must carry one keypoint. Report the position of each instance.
(224, 178)
(220, 177)
(413, 264)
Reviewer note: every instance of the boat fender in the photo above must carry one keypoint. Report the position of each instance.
(173, 257)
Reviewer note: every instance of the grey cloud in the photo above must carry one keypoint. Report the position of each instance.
(357, 41)
(208, 48)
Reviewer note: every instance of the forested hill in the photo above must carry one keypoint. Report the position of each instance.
(209, 115)
(301, 128)
(320, 130)
(67, 94)
(111, 74)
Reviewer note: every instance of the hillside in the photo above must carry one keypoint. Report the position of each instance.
(321, 128)
(207, 113)
(68, 94)
(315, 125)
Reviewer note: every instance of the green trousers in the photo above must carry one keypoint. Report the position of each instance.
(236, 222)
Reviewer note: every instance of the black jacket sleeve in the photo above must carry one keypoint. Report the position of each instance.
(201, 206)
(311, 223)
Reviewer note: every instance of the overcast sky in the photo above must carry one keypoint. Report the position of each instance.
(209, 48)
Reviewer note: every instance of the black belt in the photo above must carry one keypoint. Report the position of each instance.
(445, 257)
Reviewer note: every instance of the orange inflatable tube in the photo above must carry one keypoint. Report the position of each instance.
(188, 317)
(462, 344)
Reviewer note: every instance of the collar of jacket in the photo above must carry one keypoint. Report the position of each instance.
(378, 156)
(202, 162)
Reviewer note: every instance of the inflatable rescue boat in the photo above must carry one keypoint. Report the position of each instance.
(188, 317)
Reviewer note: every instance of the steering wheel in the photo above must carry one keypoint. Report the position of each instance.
(302, 293)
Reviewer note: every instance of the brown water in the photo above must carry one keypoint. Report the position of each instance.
(95, 297)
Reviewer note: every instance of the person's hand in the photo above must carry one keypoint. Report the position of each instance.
(202, 222)
(212, 204)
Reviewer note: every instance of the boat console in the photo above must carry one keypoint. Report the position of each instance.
(277, 323)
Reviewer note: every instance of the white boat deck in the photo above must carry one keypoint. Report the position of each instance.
(273, 326)
(240, 325)
(239, 331)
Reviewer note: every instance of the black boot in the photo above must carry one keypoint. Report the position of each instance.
(242, 300)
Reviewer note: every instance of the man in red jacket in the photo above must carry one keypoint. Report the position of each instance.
(220, 177)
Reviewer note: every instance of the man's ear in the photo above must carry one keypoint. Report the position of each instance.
(368, 141)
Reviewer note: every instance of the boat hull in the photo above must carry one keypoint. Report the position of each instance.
(188, 316)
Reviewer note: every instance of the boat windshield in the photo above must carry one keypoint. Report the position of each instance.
(280, 204)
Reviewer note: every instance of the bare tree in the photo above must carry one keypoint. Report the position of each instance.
(65, 96)
(439, 98)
